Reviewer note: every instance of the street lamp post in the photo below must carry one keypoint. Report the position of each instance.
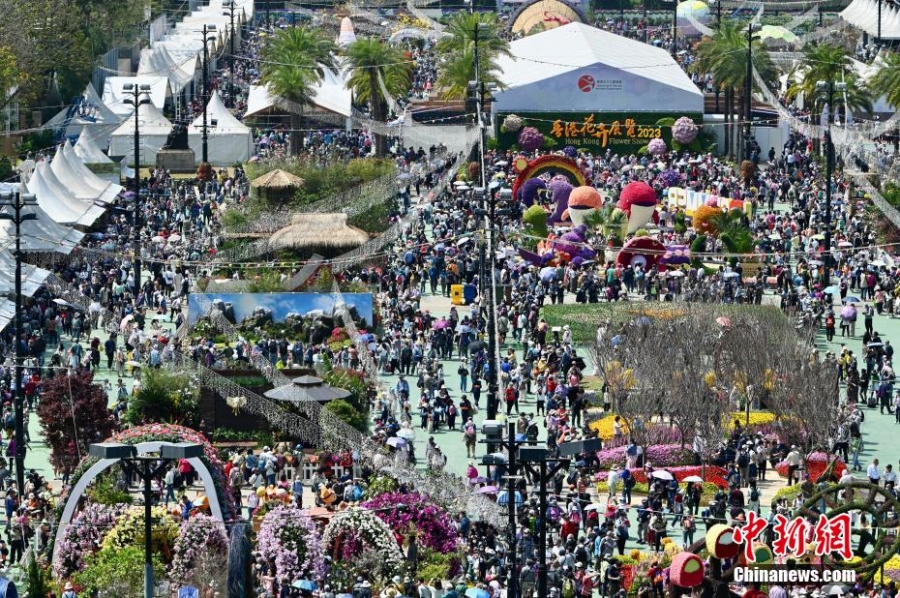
(146, 468)
(675, 29)
(17, 202)
(136, 96)
(229, 7)
(207, 29)
(749, 91)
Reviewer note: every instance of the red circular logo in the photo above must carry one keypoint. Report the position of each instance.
(586, 83)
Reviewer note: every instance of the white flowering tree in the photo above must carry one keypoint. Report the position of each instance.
(358, 536)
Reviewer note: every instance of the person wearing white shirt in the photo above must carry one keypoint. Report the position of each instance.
(873, 473)
(889, 476)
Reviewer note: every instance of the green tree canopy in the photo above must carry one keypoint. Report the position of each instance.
(467, 31)
(886, 81)
(822, 68)
(379, 71)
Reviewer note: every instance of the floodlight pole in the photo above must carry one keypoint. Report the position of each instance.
(207, 29)
(17, 201)
(134, 93)
(230, 7)
(749, 91)
(675, 29)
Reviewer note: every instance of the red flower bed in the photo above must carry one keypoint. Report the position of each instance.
(817, 462)
(714, 474)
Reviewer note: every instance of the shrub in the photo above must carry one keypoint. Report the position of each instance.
(165, 397)
(117, 572)
(348, 414)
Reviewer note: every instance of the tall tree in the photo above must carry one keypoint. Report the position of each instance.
(724, 56)
(377, 69)
(468, 32)
(830, 64)
(886, 81)
(294, 62)
(74, 412)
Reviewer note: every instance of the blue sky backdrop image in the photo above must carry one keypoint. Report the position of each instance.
(283, 304)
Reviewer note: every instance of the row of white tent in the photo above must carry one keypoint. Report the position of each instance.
(863, 14)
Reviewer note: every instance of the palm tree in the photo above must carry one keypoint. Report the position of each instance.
(831, 64)
(294, 62)
(886, 81)
(377, 69)
(458, 51)
(724, 56)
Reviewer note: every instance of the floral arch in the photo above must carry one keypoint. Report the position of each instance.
(354, 531)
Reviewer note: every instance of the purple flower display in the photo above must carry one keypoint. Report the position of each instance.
(669, 178)
(199, 534)
(83, 536)
(414, 512)
(530, 139)
(658, 455)
(570, 151)
(657, 147)
(288, 538)
(684, 130)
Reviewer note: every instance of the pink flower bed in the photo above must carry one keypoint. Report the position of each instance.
(658, 455)
(714, 474)
(817, 463)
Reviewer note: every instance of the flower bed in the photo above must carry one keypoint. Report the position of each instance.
(604, 427)
(714, 474)
(891, 571)
(816, 463)
(757, 418)
(658, 455)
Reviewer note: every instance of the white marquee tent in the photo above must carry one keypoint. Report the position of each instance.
(157, 61)
(88, 151)
(88, 113)
(41, 235)
(154, 129)
(331, 95)
(58, 201)
(32, 277)
(863, 14)
(108, 190)
(578, 68)
(229, 141)
(114, 93)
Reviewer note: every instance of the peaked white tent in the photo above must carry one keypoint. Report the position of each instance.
(154, 129)
(578, 68)
(157, 61)
(57, 200)
(114, 93)
(863, 14)
(88, 151)
(41, 235)
(228, 141)
(88, 113)
(108, 190)
(32, 277)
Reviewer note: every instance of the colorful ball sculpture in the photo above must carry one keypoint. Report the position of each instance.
(720, 542)
(638, 201)
(762, 555)
(582, 201)
(641, 251)
(686, 570)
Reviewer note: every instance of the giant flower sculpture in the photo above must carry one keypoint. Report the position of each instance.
(669, 178)
(657, 147)
(416, 513)
(684, 131)
(530, 139)
(288, 538)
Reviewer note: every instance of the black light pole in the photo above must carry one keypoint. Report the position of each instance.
(675, 29)
(137, 96)
(207, 29)
(749, 91)
(229, 6)
(513, 447)
(18, 201)
(829, 168)
(718, 14)
(879, 22)
(147, 468)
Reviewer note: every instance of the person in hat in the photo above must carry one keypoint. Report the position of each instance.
(69, 591)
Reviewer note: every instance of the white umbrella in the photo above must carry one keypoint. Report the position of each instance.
(133, 363)
(692, 478)
(595, 507)
(459, 184)
(662, 474)
(407, 434)
(158, 239)
(62, 302)
(174, 238)
(676, 274)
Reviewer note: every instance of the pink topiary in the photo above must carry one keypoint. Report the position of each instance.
(657, 147)
(684, 131)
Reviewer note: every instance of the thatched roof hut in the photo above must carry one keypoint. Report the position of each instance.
(276, 180)
(319, 231)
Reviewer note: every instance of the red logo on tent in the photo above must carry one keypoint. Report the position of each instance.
(586, 83)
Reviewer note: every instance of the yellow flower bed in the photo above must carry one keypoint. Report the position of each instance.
(892, 565)
(757, 418)
(604, 427)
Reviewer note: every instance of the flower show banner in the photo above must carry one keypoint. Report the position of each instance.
(622, 133)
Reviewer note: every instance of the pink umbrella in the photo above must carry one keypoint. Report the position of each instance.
(488, 490)
(441, 324)
(724, 322)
